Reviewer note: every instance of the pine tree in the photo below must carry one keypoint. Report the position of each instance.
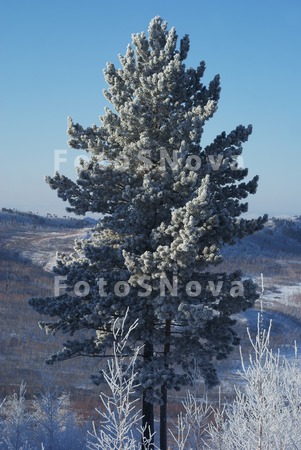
(168, 205)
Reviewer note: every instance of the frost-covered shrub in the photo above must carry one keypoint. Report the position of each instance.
(47, 422)
(16, 422)
(266, 414)
(1, 422)
(120, 416)
(192, 425)
(55, 423)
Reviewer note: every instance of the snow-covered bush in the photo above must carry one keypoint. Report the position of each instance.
(55, 423)
(267, 413)
(1, 422)
(120, 415)
(198, 412)
(47, 422)
(16, 422)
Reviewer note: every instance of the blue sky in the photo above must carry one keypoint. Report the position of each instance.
(52, 55)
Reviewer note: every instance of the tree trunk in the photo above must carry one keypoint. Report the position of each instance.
(148, 408)
(148, 420)
(163, 407)
(163, 418)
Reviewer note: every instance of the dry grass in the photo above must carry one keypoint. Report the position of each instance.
(24, 347)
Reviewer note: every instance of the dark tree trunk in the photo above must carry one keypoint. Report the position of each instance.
(148, 419)
(148, 408)
(163, 407)
(163, 418)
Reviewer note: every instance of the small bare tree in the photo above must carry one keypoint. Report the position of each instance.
(55, 422)
(120, 414)
(192, 425)
(16, 421)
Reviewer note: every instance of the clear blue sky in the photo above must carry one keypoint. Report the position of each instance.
(52, 57)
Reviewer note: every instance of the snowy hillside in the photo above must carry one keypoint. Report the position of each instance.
(279, 237)
(37, 238)
(13, 218)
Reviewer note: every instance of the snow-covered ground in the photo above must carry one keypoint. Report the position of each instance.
(37, 239)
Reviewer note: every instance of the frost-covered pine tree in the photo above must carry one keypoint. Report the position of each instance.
(168, 205)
